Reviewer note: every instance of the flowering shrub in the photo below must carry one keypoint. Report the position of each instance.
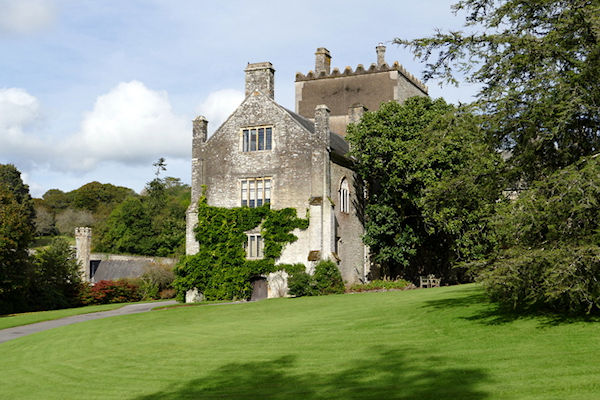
(105, 292)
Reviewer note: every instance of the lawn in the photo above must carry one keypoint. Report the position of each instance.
(442, 343)
(8, 321)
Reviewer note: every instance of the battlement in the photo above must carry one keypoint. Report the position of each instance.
(323, 62)
(83, 232)
(360, 70)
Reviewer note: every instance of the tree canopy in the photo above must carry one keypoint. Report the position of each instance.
(539, 66)
(432, 180)
(16, 234)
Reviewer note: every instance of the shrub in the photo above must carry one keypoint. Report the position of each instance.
(167, 294)
(564, 279)
(155, 279)
(301, 284)
(380, 284)
(105, 292)
(328, 279)
(547, 255)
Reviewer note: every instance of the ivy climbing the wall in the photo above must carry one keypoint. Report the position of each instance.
(220, 269)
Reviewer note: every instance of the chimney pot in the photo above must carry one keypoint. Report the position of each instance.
(380, 49)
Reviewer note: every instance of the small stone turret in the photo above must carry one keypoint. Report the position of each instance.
(380, 49)
(260, 76)
(83, 247)
(322, 61)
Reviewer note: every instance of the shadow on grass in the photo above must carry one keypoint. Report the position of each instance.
(491, 313)
(389, 374)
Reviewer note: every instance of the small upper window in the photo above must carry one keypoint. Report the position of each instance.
(254, 246)
(344, 196)
(254, 139)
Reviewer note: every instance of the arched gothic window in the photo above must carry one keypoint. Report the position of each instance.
(344, 196)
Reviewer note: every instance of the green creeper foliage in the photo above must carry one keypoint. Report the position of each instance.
(538, 64)
(432, 181)
(220, 269)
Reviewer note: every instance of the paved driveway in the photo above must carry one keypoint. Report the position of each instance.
(18, 331)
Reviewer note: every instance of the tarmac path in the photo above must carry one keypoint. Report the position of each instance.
(24, 330)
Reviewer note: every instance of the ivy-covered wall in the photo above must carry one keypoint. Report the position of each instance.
(220, 269)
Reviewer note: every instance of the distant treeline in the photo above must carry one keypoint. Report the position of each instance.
(150, 223)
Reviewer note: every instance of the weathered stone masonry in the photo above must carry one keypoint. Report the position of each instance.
(307, 162)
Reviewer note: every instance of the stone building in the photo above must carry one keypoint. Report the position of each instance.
(96, 267)
(265, 153)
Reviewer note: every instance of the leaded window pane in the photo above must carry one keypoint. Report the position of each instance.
(261, 138)
(246, 141)
(268, 132)
(252, 139)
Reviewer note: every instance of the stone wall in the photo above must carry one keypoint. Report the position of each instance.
(349, 226)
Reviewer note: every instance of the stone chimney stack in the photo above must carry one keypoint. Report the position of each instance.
(322, 123)
(260, 76)
(355, 113)
(83, 247)
(380, 54)
(199, 130)
(322, 61)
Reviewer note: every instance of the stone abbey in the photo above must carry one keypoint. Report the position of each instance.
(265, 153)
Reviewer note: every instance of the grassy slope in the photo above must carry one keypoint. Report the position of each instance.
(8, 321)
(444, 343)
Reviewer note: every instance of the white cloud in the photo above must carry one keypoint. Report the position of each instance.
(26, 16)
(218, 106)
(130, 124)
(18, 110)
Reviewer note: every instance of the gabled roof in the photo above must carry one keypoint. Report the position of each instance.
(338, 144)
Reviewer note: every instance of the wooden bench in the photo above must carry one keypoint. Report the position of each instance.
(430, 281)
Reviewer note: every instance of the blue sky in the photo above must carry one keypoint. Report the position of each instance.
(98, 90)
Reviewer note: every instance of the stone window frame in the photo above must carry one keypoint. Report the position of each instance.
(254, 246)
(262, 188)
(344, 194)
(246, 137)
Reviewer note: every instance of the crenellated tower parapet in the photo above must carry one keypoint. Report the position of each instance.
(341, 90)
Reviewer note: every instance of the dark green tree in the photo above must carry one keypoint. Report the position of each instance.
(93, 195)
(10, 177)
(151, 224)
(55, 280)
(432, 180)
(539, 66)
(16, 233)
(548, 254)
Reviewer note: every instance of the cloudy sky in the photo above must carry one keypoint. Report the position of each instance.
(96, 90)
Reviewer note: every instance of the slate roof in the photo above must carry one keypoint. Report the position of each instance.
(118, 269)
(338, 144)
